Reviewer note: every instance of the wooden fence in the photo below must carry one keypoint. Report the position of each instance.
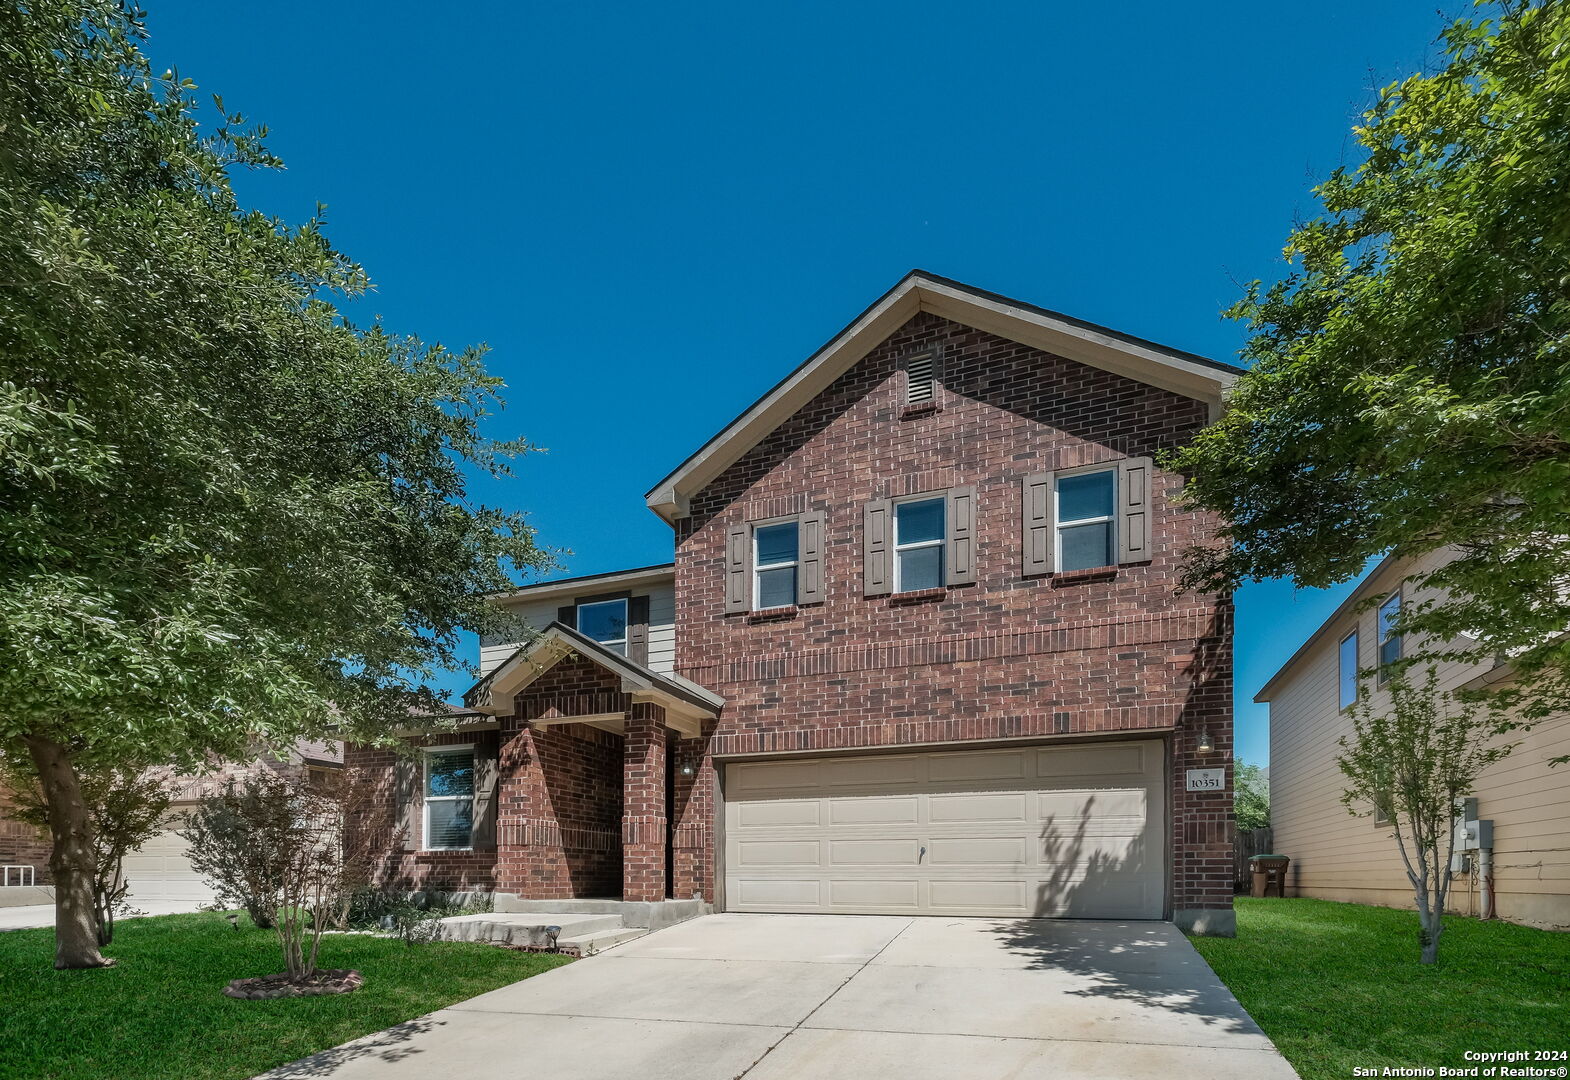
(1250, 842)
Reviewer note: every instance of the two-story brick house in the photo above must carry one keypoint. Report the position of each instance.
(920, 651)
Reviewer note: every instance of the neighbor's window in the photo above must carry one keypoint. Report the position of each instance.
(1087, 520)
(918, 544)
(775, 553)
(606, 622)
(1349, 669)
(449, 798)
(1389, 640)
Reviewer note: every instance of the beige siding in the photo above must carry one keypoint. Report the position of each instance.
(1339, 857)
(662, 628)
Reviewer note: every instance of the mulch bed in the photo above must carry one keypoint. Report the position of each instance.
(325, 981)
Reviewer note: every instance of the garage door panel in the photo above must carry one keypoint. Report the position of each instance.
(782, 894)
(990, 806)
(1083, 761)
(1064, 831)
(874, 852)
(779, 813)
(980, 851)
(1002, 765)
(874, 810)
(160, 870)
(780, 853)
(883, 894)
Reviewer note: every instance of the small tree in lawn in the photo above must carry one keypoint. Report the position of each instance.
(279, 847)
(1407, 764)
(125, 808)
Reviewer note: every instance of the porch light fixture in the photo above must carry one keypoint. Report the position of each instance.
(1206, 744)
(686, 768)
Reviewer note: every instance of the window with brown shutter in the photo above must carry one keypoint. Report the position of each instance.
(1088, 517)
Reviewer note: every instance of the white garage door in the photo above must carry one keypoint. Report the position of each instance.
(1072, 831)
(159, 870)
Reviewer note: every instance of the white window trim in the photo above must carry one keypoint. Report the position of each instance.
(626, 615)
(1058, 524)
(899, 548)
(758, 567)
(1380, 636)
(1350, 635)
(426, 798)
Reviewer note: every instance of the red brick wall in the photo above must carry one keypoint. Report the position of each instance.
(1007, 657)
(402, 865)
(22, 845)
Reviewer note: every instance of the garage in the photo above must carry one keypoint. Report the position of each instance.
(159, 871)
(1044, 831)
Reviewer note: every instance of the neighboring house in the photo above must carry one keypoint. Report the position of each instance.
(159, 870)
(920, 651)
(1336, 856)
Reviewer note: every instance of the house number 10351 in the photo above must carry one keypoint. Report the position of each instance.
(1207, 779)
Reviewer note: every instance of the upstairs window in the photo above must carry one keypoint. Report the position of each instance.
(918, 544)
(1087, 520)
(449, 798)
(1389, 640)
(1348, 670)
(776, 553)
(605, 622)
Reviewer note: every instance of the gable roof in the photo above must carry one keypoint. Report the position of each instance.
(1185, 373)
(685, 702)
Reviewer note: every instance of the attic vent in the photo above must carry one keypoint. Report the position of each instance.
(921, 377)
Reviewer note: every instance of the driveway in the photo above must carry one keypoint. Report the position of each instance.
(35, 916)
(810, 997)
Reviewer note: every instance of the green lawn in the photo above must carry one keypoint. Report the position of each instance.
(159, 1014)
(1338, 986)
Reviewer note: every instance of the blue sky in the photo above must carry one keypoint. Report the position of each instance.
(652, 212)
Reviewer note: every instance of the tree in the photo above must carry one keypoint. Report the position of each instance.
(125, 808)
(1410, 380)
(1250, 796)
(279, 846)
(230, 517)
(1408, 764)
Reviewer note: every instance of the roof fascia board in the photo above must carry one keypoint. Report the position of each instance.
(544, 590)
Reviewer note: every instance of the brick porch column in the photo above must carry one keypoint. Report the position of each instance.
(643, 804)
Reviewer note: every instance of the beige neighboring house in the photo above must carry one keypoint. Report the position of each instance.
(159, 871)
(1336, 856)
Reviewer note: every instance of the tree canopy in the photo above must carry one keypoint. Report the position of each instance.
(228, 514)
(1409, 387)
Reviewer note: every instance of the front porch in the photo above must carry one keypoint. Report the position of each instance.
(595, 793)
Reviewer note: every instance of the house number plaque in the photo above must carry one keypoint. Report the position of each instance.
(1207, 779)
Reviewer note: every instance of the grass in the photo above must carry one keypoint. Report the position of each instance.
(1338, 986)
(159, 1014)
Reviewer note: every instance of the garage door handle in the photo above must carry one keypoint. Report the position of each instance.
(923, 854)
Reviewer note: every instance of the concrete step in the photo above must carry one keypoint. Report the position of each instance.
(655, 915)
(589, 944)
(530, 928)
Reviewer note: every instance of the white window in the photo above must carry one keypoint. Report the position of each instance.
(449, 798)
(776, 552)
(605, 621)
(1086, 520)
(918, 544)
(1389, 640)
(1348, 672)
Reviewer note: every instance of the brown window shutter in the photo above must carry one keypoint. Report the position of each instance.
(567, 615)
(877, 553)
(960, 550)
(738, 564)
(809, 558)
(638, 629)
(1136, 509)
(486, 773)
(407, 775)
(1037, 525)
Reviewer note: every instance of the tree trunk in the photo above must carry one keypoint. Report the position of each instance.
(71, 859)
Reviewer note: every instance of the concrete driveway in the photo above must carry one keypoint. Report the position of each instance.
(810, 997)
(37, 916)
